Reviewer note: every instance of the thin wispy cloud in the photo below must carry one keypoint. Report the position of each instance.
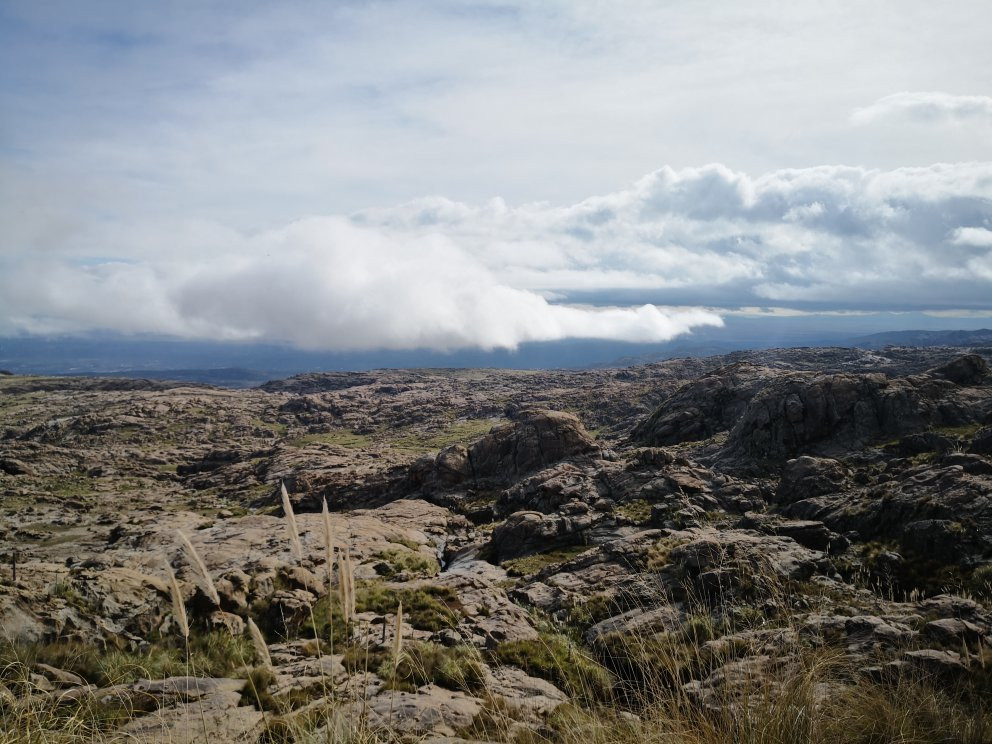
(927, 106)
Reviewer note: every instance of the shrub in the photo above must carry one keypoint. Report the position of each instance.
(455, 668)
(425, 608)
(556, 659)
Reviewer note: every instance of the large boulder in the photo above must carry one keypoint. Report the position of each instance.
(809, 413)
(941, 511)
(721, 562)
(528, 532)
(534, 439)
(704, 407)
(970, 369)
(805, 477)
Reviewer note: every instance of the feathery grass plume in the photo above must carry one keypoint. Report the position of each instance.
(201, 567)
(398, 640)
(178, 606)
(343, 583)
(350, 576)
(294, 533)
(328, 544)
(259, 643)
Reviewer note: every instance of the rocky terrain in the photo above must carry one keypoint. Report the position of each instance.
(598, 551)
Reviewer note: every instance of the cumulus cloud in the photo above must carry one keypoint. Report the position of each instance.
(845, 236)
(317, 283)
(926, 106)
(976, 236)
(445, 274)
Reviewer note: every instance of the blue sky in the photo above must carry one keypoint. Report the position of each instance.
(449, 174)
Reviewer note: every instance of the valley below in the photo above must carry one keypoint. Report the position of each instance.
(765, 546)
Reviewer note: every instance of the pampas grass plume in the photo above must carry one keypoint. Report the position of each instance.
(259, 643)
(345, 586)
(328, 544)
(294, 533)
(178, 606)
(201, 568)
(398, 640)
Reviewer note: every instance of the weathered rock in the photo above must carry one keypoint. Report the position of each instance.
(711, 404)
(938, 663)
(520, 691)
(534, 439)
(805, 477)
(430, 710)
(952, 631)
(809, 413)
(528, 532)
(60, 676)
(808, 533)
(638, 620)
(195, 707)
(970, 369)
(747, 554)
(981, 444)
(868, 629)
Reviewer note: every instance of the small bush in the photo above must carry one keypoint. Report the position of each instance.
(455, 667)
(425, 608)
(558, 660)
(405, 563)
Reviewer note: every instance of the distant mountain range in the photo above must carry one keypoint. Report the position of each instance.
(246, 365)
(981, 337)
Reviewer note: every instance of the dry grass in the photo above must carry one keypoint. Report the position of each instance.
(627, 688)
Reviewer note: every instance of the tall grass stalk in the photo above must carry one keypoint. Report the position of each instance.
(201, 568)
(294, 533)
(258, 641)
(178, 605)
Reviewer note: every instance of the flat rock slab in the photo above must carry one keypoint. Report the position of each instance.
(216, 718)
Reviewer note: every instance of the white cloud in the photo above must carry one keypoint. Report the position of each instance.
(253, 114)
(317, 283)
(444, 274)
(975, 236)
(927, 106)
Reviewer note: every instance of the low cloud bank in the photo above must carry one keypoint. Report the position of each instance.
(441, 274)
(320, 283)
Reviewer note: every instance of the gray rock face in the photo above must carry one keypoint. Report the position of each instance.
(524, 533)
(534, 439)
(970, 369)
(809, 413)
(195, 707)
(806, 476)
(940, 511)
(711, 404)
(726, 561)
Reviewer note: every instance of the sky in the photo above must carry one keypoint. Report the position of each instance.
(449, 175)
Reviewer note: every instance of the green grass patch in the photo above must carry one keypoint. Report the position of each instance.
(636, 511)
(455, 668)
(338, 438)
(532, 564)
(560, 661)
(462, 431)
(211, 654)
(425, 608)
(405, 563)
